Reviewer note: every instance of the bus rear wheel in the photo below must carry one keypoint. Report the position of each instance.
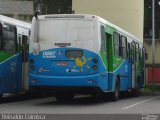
(135, 92)
(115, 94)
(1, 95)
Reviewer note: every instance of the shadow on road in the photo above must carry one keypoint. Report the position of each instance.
(78, 100)
(24, 97)
(84, 100)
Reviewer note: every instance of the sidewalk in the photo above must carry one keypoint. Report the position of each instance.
(148, 91)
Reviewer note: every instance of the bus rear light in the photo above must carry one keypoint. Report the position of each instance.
(94, 67)
(95, 61)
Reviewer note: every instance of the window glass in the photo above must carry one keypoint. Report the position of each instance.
(124, 41)
(116, 50)
(133, 55)
(124, 46)
(120, 48)
(137, 51)
(103, 39)
(140, 54)
(74, 53)
(9, 38)
(129, 47)
(116, 38)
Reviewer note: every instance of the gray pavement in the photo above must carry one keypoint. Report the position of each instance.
(82, 105)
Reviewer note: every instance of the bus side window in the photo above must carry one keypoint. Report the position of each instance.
(116, 38)
(137, 52)
(124, 46)
(103, 40)
(129, 50)
(120, 48)
(9, 38)
(140, 54)
(1, 35)
(108, 39)
(133, 51)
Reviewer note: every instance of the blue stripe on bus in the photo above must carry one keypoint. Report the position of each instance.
(10, 75)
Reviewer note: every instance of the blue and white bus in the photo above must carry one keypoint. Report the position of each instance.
(14, 47)
(83, 54)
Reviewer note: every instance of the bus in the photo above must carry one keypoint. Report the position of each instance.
(14, 47)
(83, 54)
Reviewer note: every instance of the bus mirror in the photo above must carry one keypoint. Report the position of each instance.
(35, 49)
(146, 56)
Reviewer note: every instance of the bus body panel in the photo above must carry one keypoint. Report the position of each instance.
(10, 80)
(58, 70)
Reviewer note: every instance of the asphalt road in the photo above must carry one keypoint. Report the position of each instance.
(81, 105)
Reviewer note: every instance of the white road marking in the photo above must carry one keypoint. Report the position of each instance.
(140, 102)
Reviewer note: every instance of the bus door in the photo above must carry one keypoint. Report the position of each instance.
(104, 54)
(109, 53)
(25, 53)
(24, 62)
(133, 64)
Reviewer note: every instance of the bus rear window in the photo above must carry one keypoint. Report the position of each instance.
(74, 53)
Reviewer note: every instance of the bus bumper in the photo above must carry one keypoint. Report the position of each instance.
(64, 81)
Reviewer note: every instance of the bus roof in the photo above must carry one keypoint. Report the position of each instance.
(15, 22)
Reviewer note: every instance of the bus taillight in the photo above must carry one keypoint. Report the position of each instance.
(94, 67)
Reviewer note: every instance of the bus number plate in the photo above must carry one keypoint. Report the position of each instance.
(62, 63)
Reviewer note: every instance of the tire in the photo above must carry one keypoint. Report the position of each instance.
(135, 92)
(1, 95)
(116, 93)
(64, 97)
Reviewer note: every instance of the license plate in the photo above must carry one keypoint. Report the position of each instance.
(62, 63)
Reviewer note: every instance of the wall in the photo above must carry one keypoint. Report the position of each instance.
(127, 14)
(21, 9)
